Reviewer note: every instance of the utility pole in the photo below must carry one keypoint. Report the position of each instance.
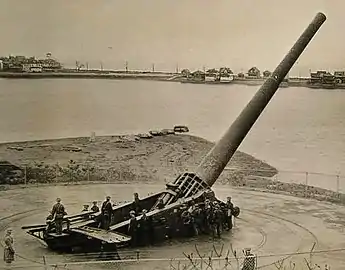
(126, 66)
(87, 65)
(101, 66)
(153, 67)
(177, 69)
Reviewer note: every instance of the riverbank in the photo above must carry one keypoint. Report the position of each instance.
(153, 76)
(87, 75)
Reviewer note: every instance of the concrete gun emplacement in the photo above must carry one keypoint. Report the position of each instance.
(82, 232)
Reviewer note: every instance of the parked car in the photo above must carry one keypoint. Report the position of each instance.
(155, 133)
(181, 129)
(145, 136)
(167, 131)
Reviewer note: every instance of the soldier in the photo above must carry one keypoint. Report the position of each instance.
(58, 212)
(107, 211)
(229, 212)
(145, 229)
(86, 208)
(133, 228)
(249, 260)
(216, 220)
(208, 211)
(95, 207)
(136, 204)
(49, 220)
(8, 247)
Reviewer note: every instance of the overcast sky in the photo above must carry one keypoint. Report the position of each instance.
(192, 33)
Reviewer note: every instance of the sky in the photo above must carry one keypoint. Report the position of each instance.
(170, 33)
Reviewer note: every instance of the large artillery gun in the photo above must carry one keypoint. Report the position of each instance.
(81, 230)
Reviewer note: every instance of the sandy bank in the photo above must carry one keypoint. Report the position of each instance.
(128, 159)
(119, 158)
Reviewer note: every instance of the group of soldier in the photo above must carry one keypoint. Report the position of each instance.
(206, 217)
(202, 217)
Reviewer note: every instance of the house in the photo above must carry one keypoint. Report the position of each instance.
(254, 72)
(32, 68)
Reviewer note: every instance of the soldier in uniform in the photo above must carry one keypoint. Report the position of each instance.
(216, 220)
(58, 212)
(136, 204)
(208, 215)
(8, 247)
(133, 228)
(95, 207)
(145, 229)
(229, 212)
(249, 260)
(107, 211)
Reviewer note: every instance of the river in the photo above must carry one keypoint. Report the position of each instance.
(301, 129)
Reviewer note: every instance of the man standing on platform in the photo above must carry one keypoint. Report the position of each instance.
(107, 211)
(58, 212)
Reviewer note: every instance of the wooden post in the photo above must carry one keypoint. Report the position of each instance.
(338, 183)
(45, 263)
(25, 175)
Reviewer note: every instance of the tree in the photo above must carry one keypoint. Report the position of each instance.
(267, 73)
(240, 75)
(185, 72)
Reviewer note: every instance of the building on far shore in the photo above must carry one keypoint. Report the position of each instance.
(29, 64)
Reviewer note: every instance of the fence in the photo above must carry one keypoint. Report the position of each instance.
(122, 172)
(216, 258)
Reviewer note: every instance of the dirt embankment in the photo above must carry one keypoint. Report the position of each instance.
(118, 158)
(129, 159)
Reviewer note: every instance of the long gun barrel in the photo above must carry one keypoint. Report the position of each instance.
(188, 184)
(215, 161)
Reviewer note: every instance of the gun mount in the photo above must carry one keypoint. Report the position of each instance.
(188, 189)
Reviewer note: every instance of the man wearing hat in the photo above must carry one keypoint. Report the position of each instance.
(229, 212)
(58, 212)
(95, 207)
(133, 228)
(107, 211)
(249, 260)
(145, 229)
(8, 247)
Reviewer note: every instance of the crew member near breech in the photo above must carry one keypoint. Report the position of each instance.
(229, 213)
(133, 228)
(216, 220)
(58, 212)
(8, 247)
(145, 230)
(107, 211)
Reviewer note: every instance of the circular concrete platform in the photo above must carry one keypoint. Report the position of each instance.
(274, 226)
